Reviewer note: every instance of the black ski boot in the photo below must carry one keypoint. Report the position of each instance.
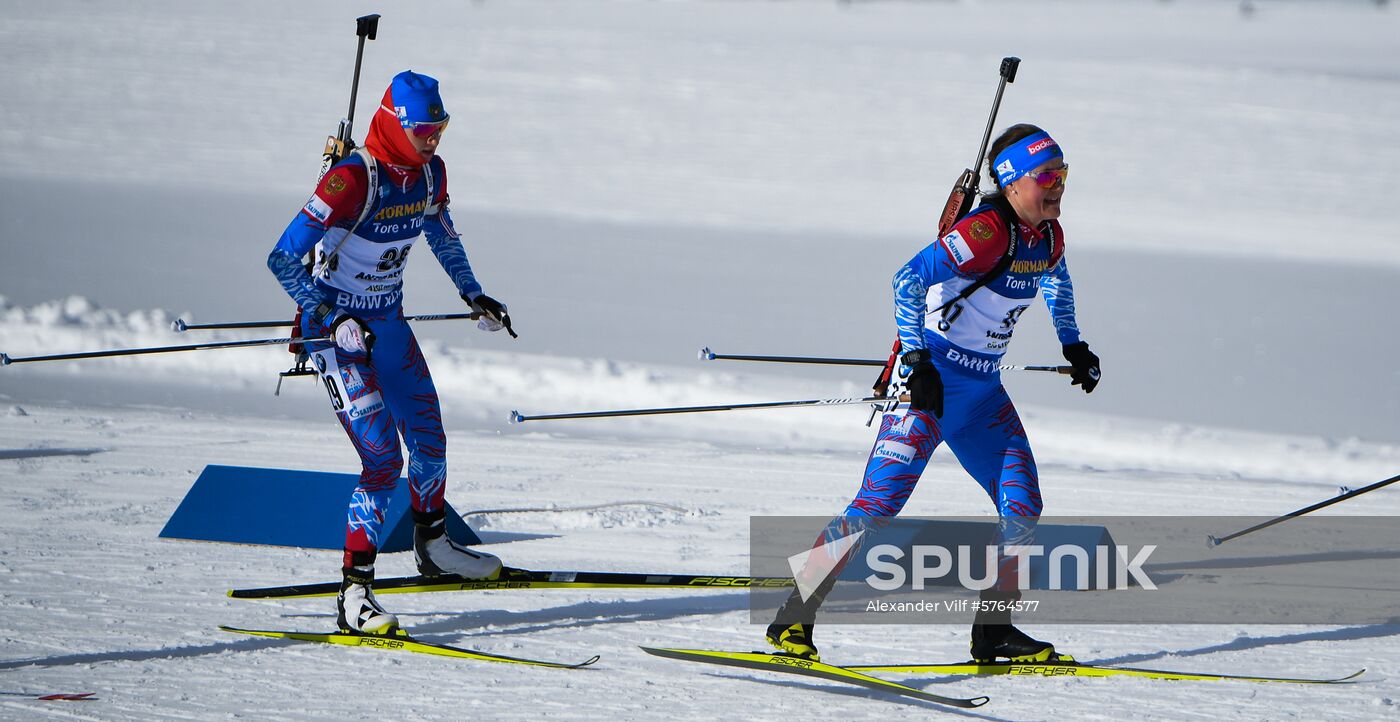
(794, 639)
(994, 638)
(993, 641)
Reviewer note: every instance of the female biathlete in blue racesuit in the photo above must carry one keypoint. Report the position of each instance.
(362, 222)
(956, 394)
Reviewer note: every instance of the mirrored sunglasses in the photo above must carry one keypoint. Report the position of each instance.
(426, 130)
(1050, 178)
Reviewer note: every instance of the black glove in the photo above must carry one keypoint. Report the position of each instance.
(489, 306)
(924, 384)
(495, 311)
(1086, 365)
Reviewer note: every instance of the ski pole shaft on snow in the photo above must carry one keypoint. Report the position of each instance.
(517, 418)
(707, 355)
(180, 326)
(6, 360)
(1217, 541)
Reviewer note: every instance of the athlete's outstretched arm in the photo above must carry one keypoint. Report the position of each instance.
(447, 247)
(445, 241)
(1058, 291)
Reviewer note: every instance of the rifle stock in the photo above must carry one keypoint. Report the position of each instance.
(959, 202)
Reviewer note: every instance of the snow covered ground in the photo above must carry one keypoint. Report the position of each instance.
(638, 180)
(93, 601)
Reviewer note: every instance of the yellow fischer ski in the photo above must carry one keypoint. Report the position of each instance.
(789, 664)
(523, 579)
(1070, 668)
(401, 642)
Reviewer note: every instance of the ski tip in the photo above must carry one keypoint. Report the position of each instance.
(979, 701)
(515, 417)
(178, 326)
(4, 359)
(1212, 541)
(706, 354)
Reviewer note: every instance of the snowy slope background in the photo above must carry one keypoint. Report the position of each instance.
(637, 180)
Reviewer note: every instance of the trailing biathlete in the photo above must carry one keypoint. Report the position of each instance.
(1006, 251)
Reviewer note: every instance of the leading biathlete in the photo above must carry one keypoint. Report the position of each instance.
(362, 222)
(954, 383)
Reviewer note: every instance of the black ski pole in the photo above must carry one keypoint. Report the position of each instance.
(517, 418)
(180, 326)
(6, 360)
(707, 355)
(1217, 541)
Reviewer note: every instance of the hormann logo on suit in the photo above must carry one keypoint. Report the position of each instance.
(401, 210)
(1036, 267)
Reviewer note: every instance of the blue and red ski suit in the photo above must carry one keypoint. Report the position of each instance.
(387, 394)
